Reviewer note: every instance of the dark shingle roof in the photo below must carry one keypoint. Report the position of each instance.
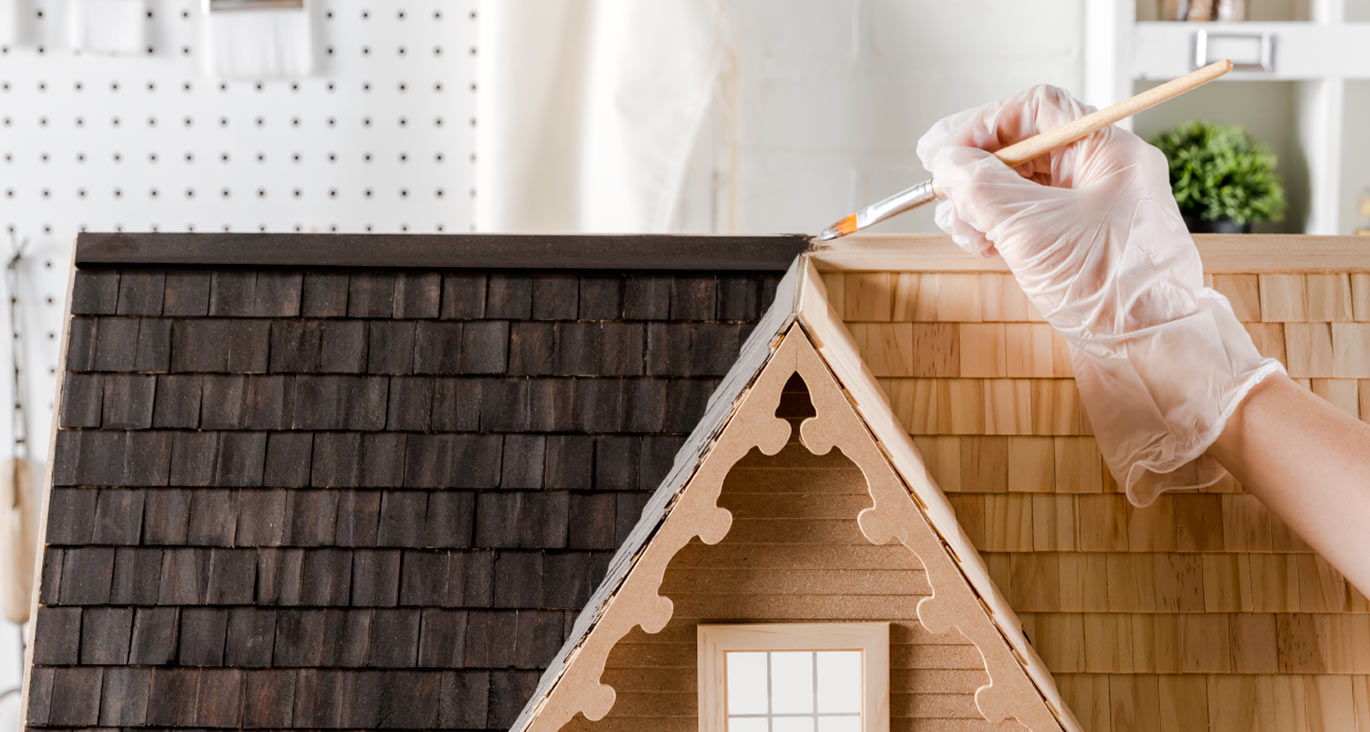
(294, 496)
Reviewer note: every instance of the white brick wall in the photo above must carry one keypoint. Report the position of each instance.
(834, 94)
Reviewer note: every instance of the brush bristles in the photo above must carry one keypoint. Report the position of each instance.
(841, 228)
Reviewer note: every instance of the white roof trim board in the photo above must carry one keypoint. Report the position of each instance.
(801, 297)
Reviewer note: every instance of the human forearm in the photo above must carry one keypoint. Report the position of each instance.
(1309, 462)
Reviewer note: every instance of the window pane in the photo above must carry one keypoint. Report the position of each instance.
(792, 724)
(746, 674)
(792, 682)
(747, 724)
(840, 724)
(839, 681)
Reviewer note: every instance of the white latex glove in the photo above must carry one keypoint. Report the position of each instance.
(1093, 236)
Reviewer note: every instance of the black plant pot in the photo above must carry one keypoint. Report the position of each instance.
(1221, 226)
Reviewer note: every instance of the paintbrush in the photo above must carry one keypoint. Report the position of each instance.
(1033, 147)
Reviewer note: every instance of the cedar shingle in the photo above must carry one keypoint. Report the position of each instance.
(140, 292)
(342, 347)
(249, 343)
(375, 578)
(591, 521)
(668, 349)
(600, 405)
(622, 349)
(417, 295)
(524, 457)
(57, 636)
(154, 636)
(71, 515)
(137, 576)
(313, 518)
(278, 576)
(465, 695)
(221, 401)
(185, 576)
(463, 295)
(98, 458)
(570, 577)
(232, 577)
(75, 696)
(269, 698)
(81, 344)
(118, 516)
(555, 296)
(485, 347)
(175, 693)
(429, 578)
(452, 461)
(371, 295)
(346, 637)
(105, 633)
(269, 403)
(86, 575)
(187, 294)
(658, 454)
(358, 518)
(288, 459)
(616, 462)
(694, 297)
(116, 343)
(509, 691)
(647, 297)
(95, 292)
(213, 517)
(508, 296)
(166, 516)
(739, 297)
(50, 581)
(713, 348)
(232, 292)
(123, 700)
(251, 637)
(456, 405)
(299, 638)
(241, 459)
(316, 698)
(324, 295)
(488, 639)
(390, 347)
(551, 404)
(382, 459)
(326, 577)
(504, 405)
(147, 458)
(601, 297)
(153, 350)
(450, 519)
(340, 402)
(627, 510)
(442, 639)
(411, 402)
(278, 294)
(687, 399)
(296, 346)
(81, 400)
(536, 638)
(220, 345)
(570, 460)
(497, 517)
(336, 460)
(578, 351)
(644, 405)
(220, 698)
(521, 519)
(394, 638)
(532, 348)
(177, 402)
(402, 515)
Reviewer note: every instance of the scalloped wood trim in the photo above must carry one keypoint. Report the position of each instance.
(695, 513)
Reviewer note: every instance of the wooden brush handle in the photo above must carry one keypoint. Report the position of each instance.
(1024, 150)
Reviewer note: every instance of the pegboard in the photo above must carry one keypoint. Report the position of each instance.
(381, 138)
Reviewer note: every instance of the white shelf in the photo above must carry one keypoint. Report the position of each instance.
(1301, 50)
(1318, 56)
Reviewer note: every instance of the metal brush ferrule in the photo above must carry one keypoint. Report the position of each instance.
(900, 202)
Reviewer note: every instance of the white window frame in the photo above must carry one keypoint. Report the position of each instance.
(872, 639)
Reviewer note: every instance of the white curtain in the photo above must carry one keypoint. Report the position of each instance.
(589, 110)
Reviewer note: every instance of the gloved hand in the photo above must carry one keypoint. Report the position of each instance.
(1093, 236)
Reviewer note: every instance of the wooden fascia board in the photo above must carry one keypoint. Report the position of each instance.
(1221, 253)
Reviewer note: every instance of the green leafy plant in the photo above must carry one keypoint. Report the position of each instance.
(1219, 172)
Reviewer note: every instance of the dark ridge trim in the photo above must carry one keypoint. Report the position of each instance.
(446, 251)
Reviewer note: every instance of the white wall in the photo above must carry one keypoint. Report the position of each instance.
(835, 93)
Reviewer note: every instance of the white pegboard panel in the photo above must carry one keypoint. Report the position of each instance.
(379, 139)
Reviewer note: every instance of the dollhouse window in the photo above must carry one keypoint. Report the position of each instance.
(794, 677)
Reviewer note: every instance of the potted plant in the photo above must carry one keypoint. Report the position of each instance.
(1223, 179)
